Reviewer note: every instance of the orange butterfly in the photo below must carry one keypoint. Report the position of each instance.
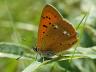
(55, 34)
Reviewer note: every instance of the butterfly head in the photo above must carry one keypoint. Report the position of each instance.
(47, 54)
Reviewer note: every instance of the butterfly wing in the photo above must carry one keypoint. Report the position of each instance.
(48, 17)
(55, 34)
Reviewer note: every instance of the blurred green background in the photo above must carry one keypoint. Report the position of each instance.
(19, 20)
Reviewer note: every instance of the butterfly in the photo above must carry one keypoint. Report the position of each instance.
(55, 34)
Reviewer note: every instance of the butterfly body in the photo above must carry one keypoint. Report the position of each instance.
(55, 34)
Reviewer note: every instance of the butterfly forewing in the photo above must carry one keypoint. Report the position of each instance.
(48, 17)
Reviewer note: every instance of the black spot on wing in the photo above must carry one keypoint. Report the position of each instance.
(45, 26)
(46, 16)
(49, 18)
(43, 17)
(54, 28)
(46, 35)
(52, 25)
(43, 32)
(49, 23)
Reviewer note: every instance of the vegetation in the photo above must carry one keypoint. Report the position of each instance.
(19, 20)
